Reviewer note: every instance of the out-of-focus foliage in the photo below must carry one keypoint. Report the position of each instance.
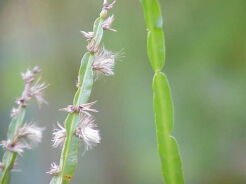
(206, 68)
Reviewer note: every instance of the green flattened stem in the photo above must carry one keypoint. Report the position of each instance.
(155, 39)
(167, 146)
(163, 107)
(70, 151)
(10, 157)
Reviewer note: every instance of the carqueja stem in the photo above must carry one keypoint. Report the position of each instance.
(163, 106)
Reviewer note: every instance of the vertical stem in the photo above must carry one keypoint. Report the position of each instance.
(163, 106)
(15, 144)
(69, 155)
(10, 157)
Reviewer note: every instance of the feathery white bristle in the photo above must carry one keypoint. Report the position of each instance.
(59, 136)
(87, 132)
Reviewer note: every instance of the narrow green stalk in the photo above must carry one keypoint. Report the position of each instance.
(163, 106)
(21, 136)
(63, 173)
(69, 155)
(10, 157)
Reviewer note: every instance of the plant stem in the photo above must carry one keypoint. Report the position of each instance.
(10, 157)
(163, 106)
(69, 155)
(17, 141)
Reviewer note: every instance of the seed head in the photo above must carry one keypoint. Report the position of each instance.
(36, 91)
(106, 7)
(104, 62)
(30, 133)
(87, 132)
(29, 75)
(14, 146)
(26, 135)
(108, 23)
(31, 90)
(59, 136)
(82, 109)
(54, 169)
(88, 35)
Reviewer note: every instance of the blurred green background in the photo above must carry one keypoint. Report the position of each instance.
(206, 66)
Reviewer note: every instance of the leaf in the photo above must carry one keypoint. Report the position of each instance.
(167, 146)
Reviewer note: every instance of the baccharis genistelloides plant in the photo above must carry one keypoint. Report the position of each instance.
(163, 106)
(22, 135)
(79, 126)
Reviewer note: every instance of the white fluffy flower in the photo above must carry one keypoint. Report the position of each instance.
(14, 146)
(30, 133)
(87, 132)
(59, 136)
(26, 135)
(32, 89)
(108, 23)
(82, 109)
(104, 62)
(37, 92)
(108, 6)
(29, 75)
(54, 169)
(88, 35)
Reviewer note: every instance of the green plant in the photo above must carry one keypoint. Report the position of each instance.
(79, 124)
(21, 136)
(163, 106)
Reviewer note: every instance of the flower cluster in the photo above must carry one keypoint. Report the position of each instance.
(22, 136)
(104, 60)
(26, 136)
(32, 89)
(87, 132)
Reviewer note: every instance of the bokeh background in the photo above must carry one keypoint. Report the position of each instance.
(206, 66)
